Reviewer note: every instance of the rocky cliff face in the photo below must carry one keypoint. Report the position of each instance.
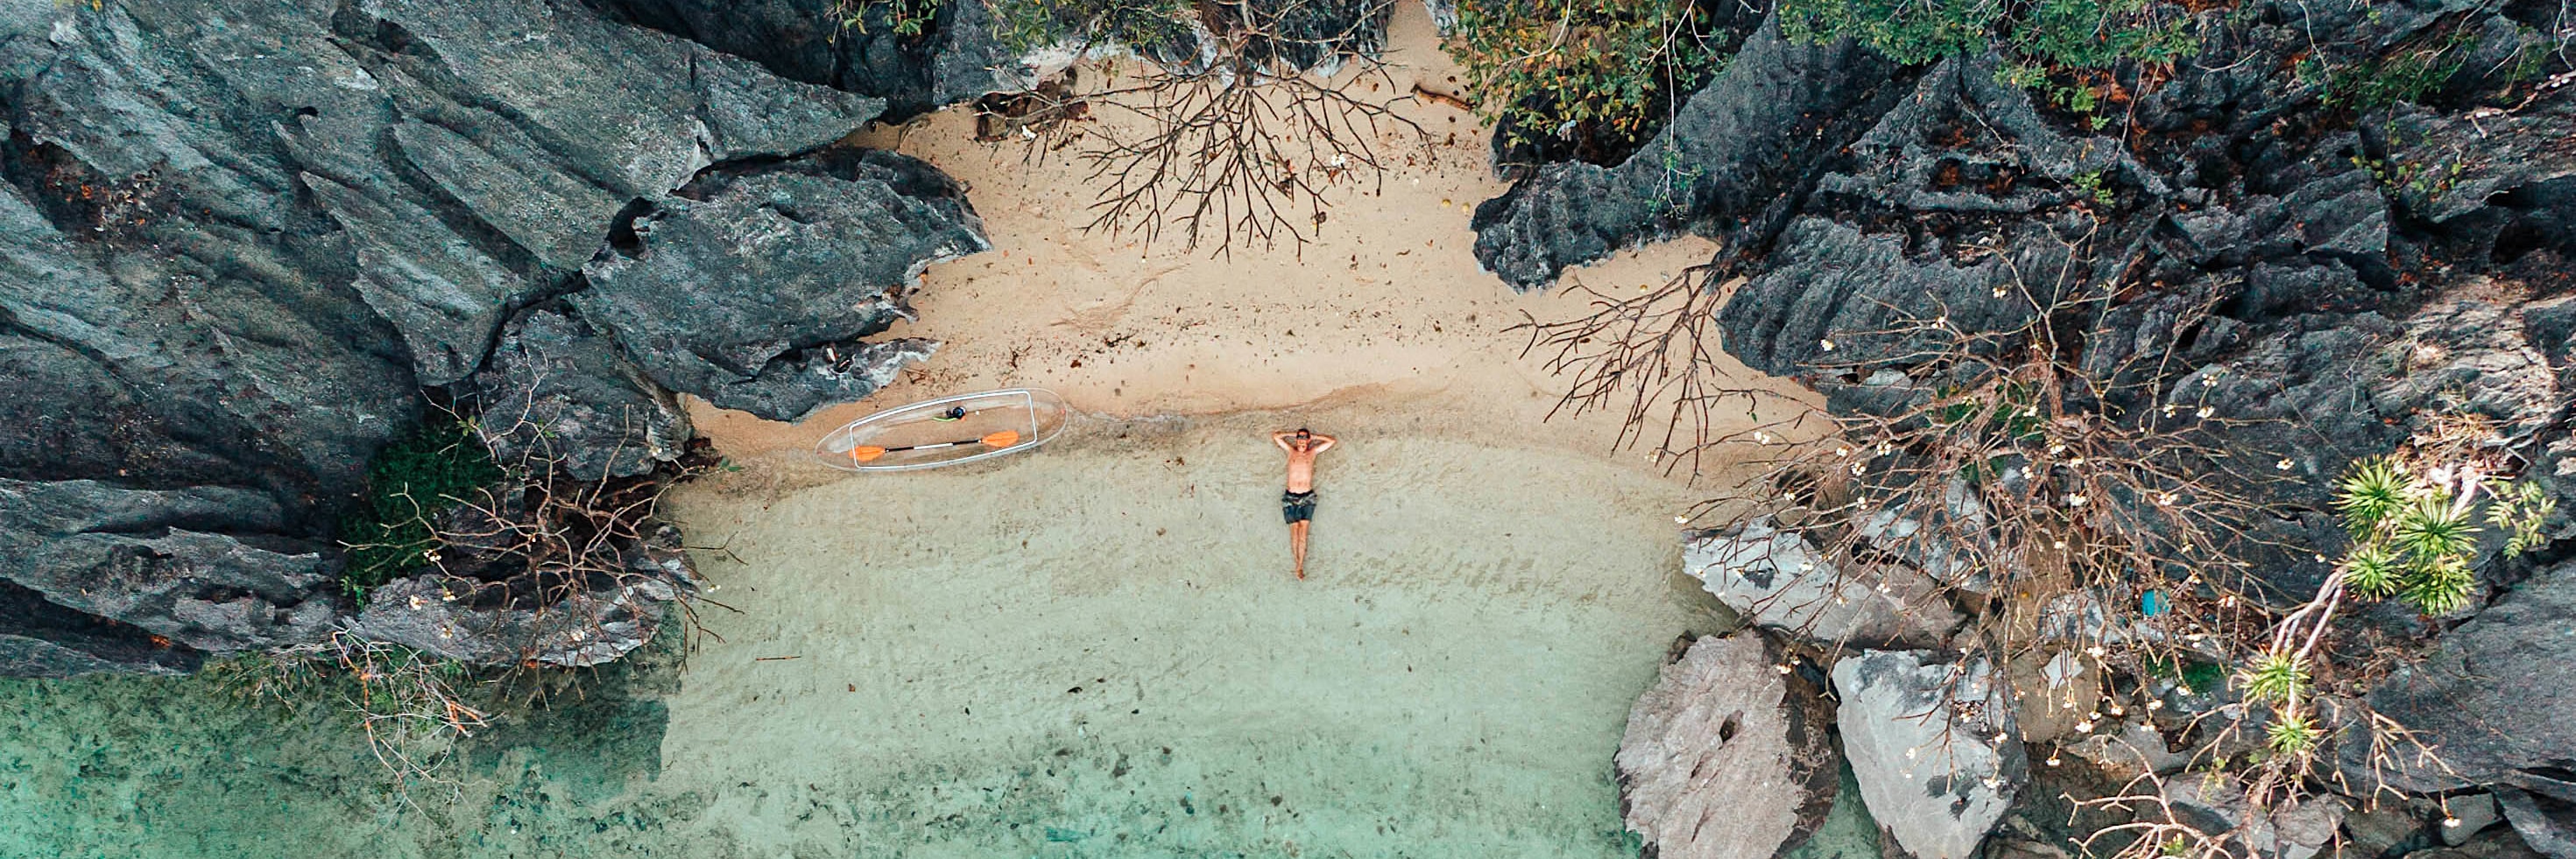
(2327, 271)
(240, 240)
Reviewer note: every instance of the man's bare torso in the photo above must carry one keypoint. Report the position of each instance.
(1301, 458)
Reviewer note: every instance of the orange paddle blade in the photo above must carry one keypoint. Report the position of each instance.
(863, 454)
(1005, 438)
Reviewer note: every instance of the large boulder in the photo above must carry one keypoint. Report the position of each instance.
(752, 288)
(1726, 756)
(2479, 697)
(1779, 580)
(1933, 746)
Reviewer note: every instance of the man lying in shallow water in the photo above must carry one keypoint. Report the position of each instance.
(1298, 503)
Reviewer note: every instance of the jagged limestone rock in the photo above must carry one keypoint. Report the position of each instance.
(1933, 746)
(1726, 757)
(1777, 579)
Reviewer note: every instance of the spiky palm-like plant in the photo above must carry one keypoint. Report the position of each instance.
(2439, 588)
(2372, 571)
(2434, 529)
(2292, 734)
(2279, 676)
(2374, 489)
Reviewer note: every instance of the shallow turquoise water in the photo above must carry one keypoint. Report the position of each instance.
(1091, 653)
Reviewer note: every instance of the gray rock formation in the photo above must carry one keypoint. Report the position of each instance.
(539, 572)
(2482, 694)
(1749, 136)
(557, 394)
(957, 56)
(752, 288)
(2544, 817)
(185, 565)
(2215, 804)
(1933, 746)
(235, 240)
(1777, 579)
(1726, 757)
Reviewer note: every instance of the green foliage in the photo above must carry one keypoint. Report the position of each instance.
(2434, 530)
(2374, 489)
(1150, 27)
(2373, 571)
(2278, 677)
(2414, 538)
(1606, 70)
(1907, 32)
(903, 17)
(409, 484)
(2521, 511)
(2407, 74)
(2438, 588)
(2090, 182)
(2045, 34)
(2292, 735)
(2098, 34)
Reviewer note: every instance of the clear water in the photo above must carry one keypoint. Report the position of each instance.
(1091, 651)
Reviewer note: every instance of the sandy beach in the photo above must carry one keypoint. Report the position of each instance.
(1385, 303)
(1096, 649)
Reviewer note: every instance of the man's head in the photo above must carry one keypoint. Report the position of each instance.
(1303, 435)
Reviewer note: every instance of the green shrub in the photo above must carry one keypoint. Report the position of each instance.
(410, 483)
(903, 17)
(1149, 27)
(2039, 39)
(1603, 74)
(2408, 74)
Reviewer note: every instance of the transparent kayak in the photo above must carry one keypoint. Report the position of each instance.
(946, 431)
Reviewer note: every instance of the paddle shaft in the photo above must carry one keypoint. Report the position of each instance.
(1002, 439)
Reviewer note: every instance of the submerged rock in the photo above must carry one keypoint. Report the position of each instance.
(1933, 746)
(752, 288)
(1777, 579)
(1726, 757)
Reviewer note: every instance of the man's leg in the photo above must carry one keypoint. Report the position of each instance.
(1297, 545)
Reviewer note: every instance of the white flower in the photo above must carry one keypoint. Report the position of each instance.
(2075, 500)
(2284, 464)
(2206, 411)
(1827, 345)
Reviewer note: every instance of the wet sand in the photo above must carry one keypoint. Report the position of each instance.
(1102, 641)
